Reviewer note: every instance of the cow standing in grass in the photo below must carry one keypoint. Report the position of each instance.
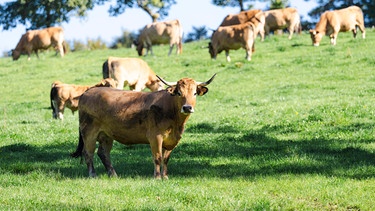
(255, 16)
(168, 32)
(154, 118)
(282, 18)
(333, 22)
(133, 72)
(227, 38)
(34, 40)
(67, 95)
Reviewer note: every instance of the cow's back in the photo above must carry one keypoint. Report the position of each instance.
(126, 112)
(131, 70)
(349, 17)
(242, 17)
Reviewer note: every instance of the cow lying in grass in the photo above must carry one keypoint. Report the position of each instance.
(62, 95)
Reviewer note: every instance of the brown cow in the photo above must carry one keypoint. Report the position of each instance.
(132, 71)
(154, 118)
(333, 22)
(34, 40)
(255, 16)
(62, 95)
(227, 38)
(168, 32)
(281, 19)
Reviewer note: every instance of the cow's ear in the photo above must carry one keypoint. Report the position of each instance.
(201, 90)
(171, 90)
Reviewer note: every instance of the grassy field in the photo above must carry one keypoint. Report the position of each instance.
(291, 130)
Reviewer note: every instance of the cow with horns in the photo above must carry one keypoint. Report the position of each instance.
(154, 118)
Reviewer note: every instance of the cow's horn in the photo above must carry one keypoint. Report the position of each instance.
(207, 82)
(165, 82)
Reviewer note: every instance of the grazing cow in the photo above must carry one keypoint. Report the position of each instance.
(281, 19)
(160, 33)
(227, 38)
(255, 16)
(62, 95)
(132, 71)
(333, 22)
(34, 40)
(154, 118)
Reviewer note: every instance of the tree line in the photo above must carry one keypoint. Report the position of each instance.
(38, 14)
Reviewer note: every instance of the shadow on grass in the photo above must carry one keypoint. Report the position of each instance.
(228, 154)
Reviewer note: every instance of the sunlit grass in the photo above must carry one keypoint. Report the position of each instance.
(290, 130)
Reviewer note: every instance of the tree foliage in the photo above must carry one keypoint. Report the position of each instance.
(233, 3)
(278, 4)
(42, 13)
(367, 6)
(45, 13)
(198, 33)
(155, 8)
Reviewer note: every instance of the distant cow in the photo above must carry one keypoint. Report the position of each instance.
(62, 95)
(227, 38)
(255, 16)
(333, 22)
(34, 40)
(281, 19)
(133, 72)
(168, 32)
(154, 118)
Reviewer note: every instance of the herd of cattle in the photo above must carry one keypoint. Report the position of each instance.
(236, 31)
(157, 118)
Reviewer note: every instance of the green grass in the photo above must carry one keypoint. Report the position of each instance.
(291, 130)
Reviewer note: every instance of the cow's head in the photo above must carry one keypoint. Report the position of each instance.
(186, 89)
(107, 82)
(139, 47)
(16, 54)
(212, 51)
(155, 85)
(315, 37)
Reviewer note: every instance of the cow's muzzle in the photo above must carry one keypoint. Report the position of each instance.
(187, 109)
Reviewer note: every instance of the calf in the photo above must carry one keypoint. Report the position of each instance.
(62, 95)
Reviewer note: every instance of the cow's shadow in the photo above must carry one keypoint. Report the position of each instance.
(229, 154)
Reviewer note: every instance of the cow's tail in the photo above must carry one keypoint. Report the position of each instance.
(52, 95)
(105, 70)
(79, 150)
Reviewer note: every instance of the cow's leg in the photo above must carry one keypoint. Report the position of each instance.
(156, 143)
(120, 84)
(363, 30)
(60, 110)
(60, 48)
(150, 48)
(354, 32)
(171, 48)
(36, 52)
(333, 38)
(291, 31)
(227, 55)
(105, 147)
(166, 155)
(89, 136)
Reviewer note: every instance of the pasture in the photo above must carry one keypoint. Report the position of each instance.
(291, 130)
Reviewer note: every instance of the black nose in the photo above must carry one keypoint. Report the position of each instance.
(187, 109)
